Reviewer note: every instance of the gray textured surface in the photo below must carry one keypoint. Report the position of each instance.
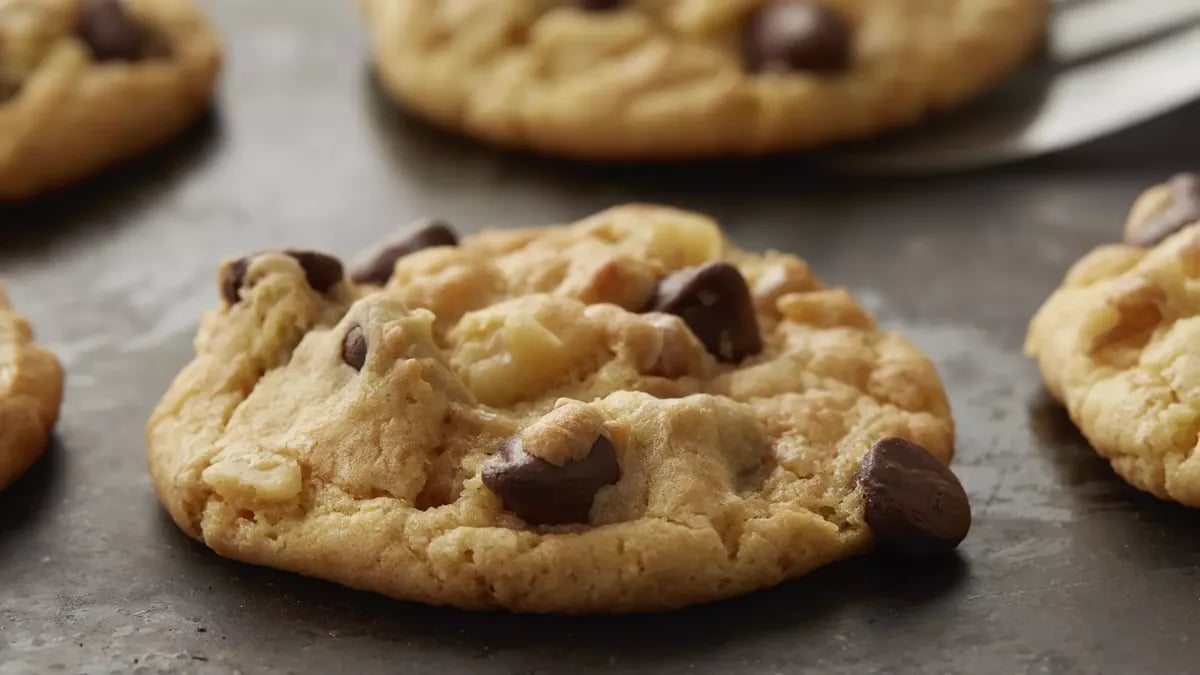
(1066, 569)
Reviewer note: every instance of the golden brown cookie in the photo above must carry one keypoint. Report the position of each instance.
(1119, 344)
(85, 84)
(30, 394)
(626, 413)
(662, 79)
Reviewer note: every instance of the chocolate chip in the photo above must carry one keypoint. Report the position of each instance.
(375, 265)
(714, 301)
(790, 35)
(354, 347)
(544, 494)
(232, 276)
(1183, 210)
(914, 504)
(111, 32)
(599, 5)
(321, 271)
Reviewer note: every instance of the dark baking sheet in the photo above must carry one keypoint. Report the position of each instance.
(1066, 569)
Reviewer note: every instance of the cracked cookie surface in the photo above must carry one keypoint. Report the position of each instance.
(30, 394)
(1117, 344)
(625, 413)
(663, 79)
(86, 84)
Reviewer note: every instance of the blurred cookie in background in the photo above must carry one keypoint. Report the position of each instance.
(31, 383)
(677, 79)
(85, 84)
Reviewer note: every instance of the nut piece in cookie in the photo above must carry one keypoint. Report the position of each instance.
(914, 504)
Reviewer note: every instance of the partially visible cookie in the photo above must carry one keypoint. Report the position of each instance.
(626, 413)
(85, 84)
(664, 79)
(30, 394)
(1119, 344)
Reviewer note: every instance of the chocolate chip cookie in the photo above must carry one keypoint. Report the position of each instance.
(85, 84)
(664, 79)
(622, 414)
(30, 394)
(1119, 344)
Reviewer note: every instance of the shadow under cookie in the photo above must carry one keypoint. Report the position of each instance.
(23, 504)
(112, 198)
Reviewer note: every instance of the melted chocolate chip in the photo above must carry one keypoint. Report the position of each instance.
(376, 264)
(599, 5)
(914, 504)
(541, 493)
(1183, 211)
(714, 301)
(321, 271)
(111, 32)
(796, 35)
(354, 347)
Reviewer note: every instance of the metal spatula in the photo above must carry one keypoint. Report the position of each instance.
(1111, 64)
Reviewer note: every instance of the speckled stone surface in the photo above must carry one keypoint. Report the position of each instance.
(1067, 569)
